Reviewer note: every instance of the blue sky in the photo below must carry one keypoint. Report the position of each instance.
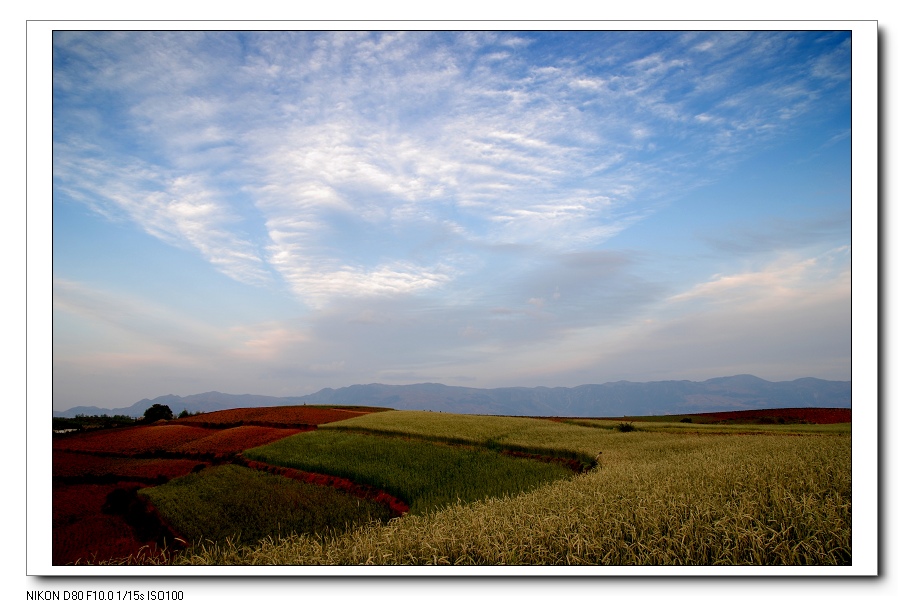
(279, 212)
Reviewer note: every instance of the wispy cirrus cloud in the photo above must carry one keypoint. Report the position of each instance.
(393, 130)
(182, 210)
(130, 322)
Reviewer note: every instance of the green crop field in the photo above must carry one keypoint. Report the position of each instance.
(241, 505)
(514, 433)
(425, 475)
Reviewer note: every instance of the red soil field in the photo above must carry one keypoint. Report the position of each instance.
(133, 440)
(812, 415)
(275, 416)
(96, 514)
(83, 530)
(87, 467)
(233, 440)
(783, 415)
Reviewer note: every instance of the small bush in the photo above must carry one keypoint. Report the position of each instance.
(158, 412)
(686, 420)
(625, 426)
(493, 445)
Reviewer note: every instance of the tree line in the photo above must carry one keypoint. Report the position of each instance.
(95, 422)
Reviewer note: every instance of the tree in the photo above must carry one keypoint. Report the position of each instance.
(158, 411)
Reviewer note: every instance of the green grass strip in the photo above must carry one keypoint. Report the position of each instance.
(425, 475)
(244, 505)
(528, 435)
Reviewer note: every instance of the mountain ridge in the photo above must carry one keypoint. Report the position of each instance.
(612, 399)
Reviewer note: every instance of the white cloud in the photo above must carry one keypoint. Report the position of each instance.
(317, 282)
(180, 210)
(589, 84)
(788, 277)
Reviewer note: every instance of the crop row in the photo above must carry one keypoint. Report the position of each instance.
(423, 474)
(716, 427)
(172, 438)
(523, 434)
(758, 418)
(396, 505)
(85, 467)
(231, 502)
(512, 433)
(814, 415)
(232, 440)
(133, 440)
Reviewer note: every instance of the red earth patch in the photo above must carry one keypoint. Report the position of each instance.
(132, 440)
(810, 415)
(274, 416)
(96, 512)
(85, 529)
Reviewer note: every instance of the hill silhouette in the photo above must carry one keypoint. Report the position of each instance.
(740, 392)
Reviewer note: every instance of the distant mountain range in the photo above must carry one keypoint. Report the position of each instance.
(732, 393)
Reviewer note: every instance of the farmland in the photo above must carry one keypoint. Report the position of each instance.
(97, 473)
(84, 527)
(278, 416)
(416, 487)
(804, 416)
(212, 505)
(87, 468)
(658, 499)
(425, 475)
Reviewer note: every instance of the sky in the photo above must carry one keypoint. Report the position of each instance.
(278, 212)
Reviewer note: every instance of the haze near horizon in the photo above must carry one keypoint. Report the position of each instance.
(279, 212)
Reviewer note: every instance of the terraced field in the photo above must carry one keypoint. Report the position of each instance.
(423, 474)
(655, 498)
(235, 503)
(416, 487)
(97, 474)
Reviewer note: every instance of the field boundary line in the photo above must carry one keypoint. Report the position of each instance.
(566, 457)
(394, 503)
